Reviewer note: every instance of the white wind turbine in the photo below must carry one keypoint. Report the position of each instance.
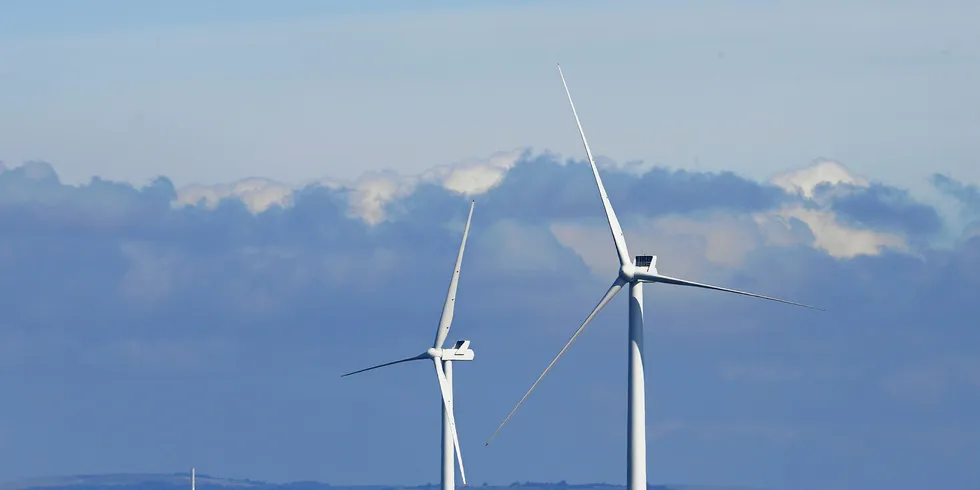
(636, 273)
(443, 359)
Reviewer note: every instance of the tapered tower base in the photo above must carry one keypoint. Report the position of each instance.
(448, 450)
(636, 437)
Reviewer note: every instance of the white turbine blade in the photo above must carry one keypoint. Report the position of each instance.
(448, 404)
(413, 358)
(615, 288)
(648, 277)
(614, 228)
(446, 320)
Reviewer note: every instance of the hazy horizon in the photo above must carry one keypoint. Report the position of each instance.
(204, 480)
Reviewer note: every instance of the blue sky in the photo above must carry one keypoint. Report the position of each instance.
(206, 91)
(211, 210)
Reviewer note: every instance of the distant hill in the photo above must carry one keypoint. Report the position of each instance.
(182, 481)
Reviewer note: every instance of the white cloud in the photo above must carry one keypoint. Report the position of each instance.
(370, 193)
(693, 244)
(373, 191)
(803, 181)
(258, 194)
(722, 238)
(829, 234)
(841, 241)
(474, 176)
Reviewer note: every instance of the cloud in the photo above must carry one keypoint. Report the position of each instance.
(822, 171)
(966, 194)
(258, 194)
(836, 205)
(968, 197)
(148, 316)
(370, 194)
(839, 240)
(882, 207)
(849, 215)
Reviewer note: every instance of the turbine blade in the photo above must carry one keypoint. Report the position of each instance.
(648, 277)
(615, 288)
(446, 320)
(413, 358)
(614, 227)
(448, 404)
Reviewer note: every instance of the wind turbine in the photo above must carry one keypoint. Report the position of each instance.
(443, 360)
(633, 273)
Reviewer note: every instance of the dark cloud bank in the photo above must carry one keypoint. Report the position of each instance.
(140, 337)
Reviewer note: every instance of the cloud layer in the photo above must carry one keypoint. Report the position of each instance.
(207, 325)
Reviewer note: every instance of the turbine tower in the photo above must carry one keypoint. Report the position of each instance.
(443, 360)
(633, 273)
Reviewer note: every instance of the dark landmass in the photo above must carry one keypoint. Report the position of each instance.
(182, 481)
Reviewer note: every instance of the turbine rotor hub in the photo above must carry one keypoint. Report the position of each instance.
(626, 272)
(434, 353)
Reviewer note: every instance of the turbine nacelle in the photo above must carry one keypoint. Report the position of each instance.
(646, 263)
(460, 351)
(642, 263)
